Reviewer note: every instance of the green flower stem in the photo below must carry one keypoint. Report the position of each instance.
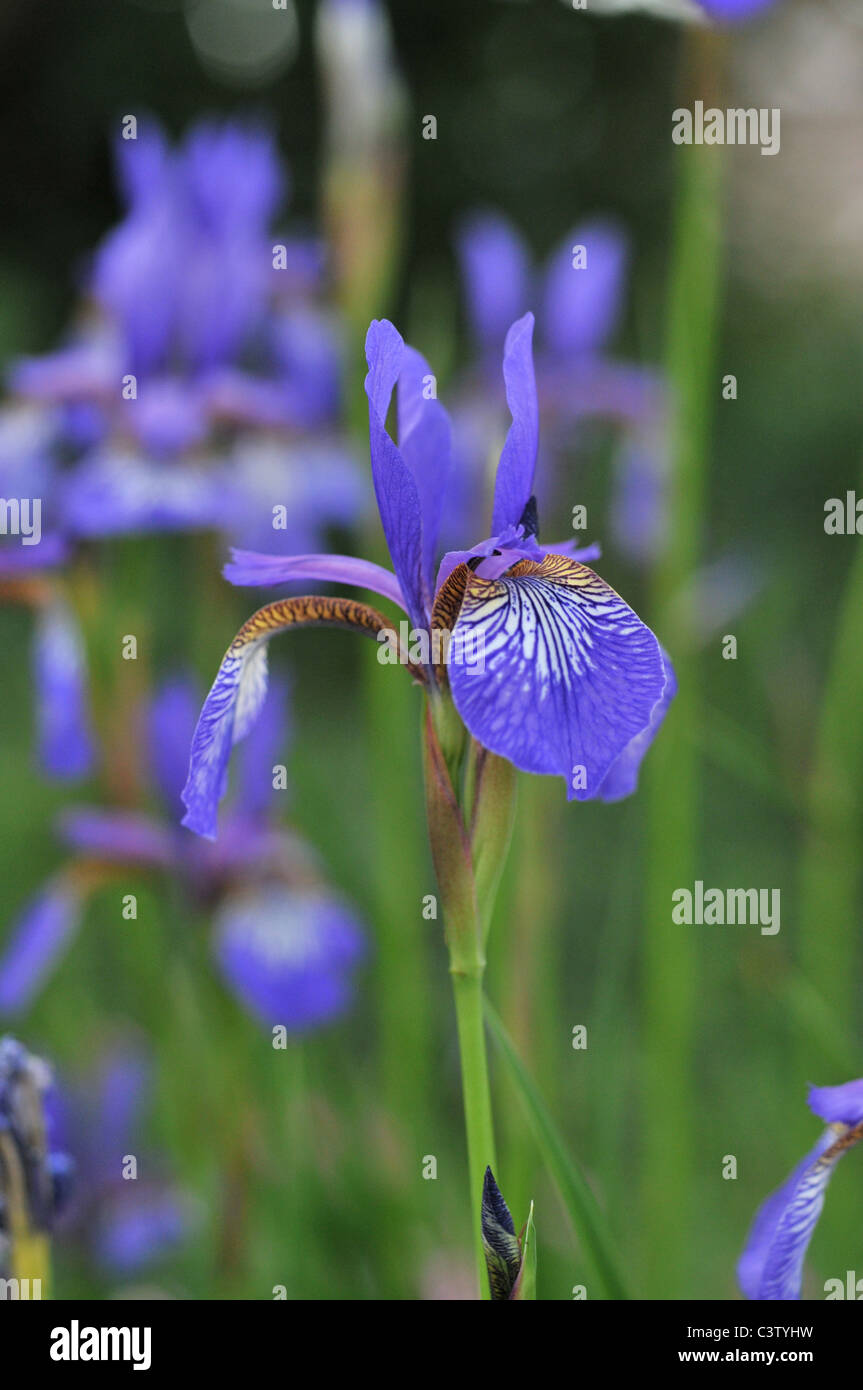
(469, 1008)
(454, 852)
(830, 866)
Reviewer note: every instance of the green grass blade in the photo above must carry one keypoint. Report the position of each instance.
(588, 1219)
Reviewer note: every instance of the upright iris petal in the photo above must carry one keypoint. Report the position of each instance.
(395, 485)
(514, 483)
(771, 1266)
(495, 267)
(566, 675)
(582, 305)
(425, 443)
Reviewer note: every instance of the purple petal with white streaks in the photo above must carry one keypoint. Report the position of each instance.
(622, 777)
(566, 674)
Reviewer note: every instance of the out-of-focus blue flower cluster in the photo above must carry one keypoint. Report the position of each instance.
(200, 388)
(124, 1207)
(204, 374)
(579, 295)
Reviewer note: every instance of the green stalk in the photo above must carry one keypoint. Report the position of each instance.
(455, 853)
(588, 1220)
(830, 868)
(468, 994)
(672, 772)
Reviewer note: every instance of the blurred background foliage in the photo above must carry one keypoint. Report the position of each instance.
(305, 1169)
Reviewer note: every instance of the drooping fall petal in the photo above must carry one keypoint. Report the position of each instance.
(560, 675)
(238, 692)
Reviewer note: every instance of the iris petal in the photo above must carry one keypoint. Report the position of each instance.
(838, 1104)
(251, 567)
(395, 486)
(771, 1266)
(239, 690)
(425, 442)
(514, 482)
(622, 777)
(36, 943)
(126, 837)
(495, 268)
(581, 306)
(566, 677)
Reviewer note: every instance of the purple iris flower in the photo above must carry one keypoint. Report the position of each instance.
(580, 309)
(771, 1266)
(128, 1222)
(569, 680)
(286, 944)
(580, 292)
(207, 331)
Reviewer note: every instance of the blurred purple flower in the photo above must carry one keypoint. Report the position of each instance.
(771, 1266)
(286, 946)
(28, 576)
(581, 292)
(289, 956)
(207, 330)
(128, 1223)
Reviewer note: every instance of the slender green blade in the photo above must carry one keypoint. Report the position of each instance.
(525, 1284)
(587, 1218)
